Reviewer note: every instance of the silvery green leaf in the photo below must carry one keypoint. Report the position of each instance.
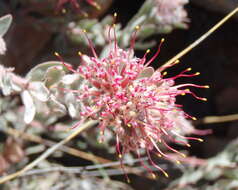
(56, 106)
(99, 40)
(165, 29)
(181, 25)
(70, 101)
(216, 173)
(5, 23)
(226, 184)
(6, 85)
(72, 110)
(105, 51)
(38, 72)
(146, 7)
(222, 159)
(87, 23)
(145, 45)
(152, 14)
(145, 10)
(191, 177)
(146, 73)
(11, 116)
(137, 22)
(233, 184)
(125, 39)
(39, 91)
(70, 78)
(194, 176)
(15, 87)
(53, 75)
(107, 20)
(30, 109)
(3, 123)
(231, 173)
(146, 31)
(34, 149)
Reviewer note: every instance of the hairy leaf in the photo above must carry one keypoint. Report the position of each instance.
(5, 23)
(38, 72)
(53, 75)
(30, 109)
(38, 90)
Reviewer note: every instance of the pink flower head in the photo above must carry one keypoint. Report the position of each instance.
(137, 103)
(171, 12)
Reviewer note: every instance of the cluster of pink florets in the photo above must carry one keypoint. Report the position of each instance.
(171, 12)
(137, 103)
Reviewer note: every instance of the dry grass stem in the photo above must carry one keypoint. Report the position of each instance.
(217, 119)
(202, 38)
(49, 151)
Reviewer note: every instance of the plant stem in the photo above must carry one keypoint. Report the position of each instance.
(199, 40)
(67, 149)
(81, 170)
(72, 151)
(47, 153)
(218, 119)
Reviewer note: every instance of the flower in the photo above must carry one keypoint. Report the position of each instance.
(2, 46)
(171, 14)
(137, 103)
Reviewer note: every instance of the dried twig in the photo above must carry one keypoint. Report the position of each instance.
(69, 150)
(48, 152)
(202, 38)
(84, 173)
(81, 170)
(66, 149)
(217, 119)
